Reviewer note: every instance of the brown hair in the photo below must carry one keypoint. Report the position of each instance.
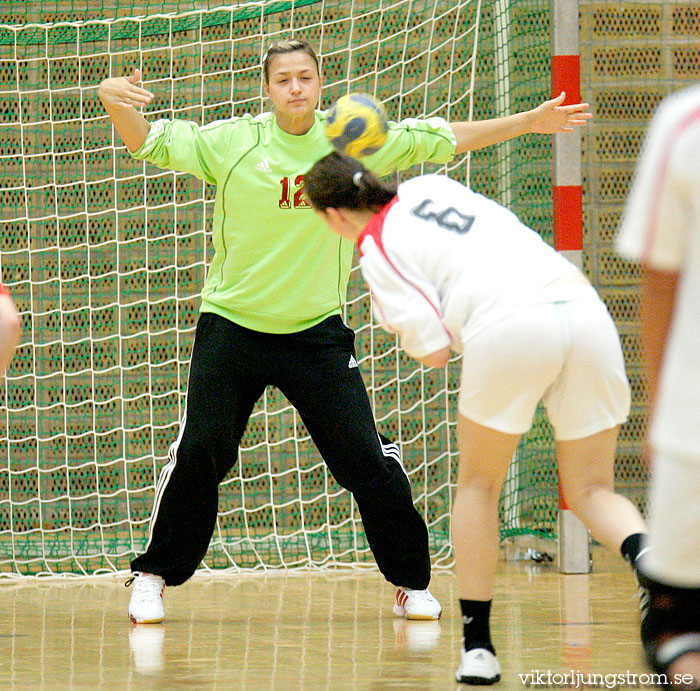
(287, 45)
(339, 181)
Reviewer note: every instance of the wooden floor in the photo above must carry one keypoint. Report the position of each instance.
(314, 631)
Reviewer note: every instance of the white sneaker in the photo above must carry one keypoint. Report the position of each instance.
(479, 667)
(416, 604)
(146, 604)
(146, 643)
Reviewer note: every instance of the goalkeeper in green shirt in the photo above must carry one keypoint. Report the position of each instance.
(270, 315)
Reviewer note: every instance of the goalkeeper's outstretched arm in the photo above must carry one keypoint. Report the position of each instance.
(550, 117)
(121, 97)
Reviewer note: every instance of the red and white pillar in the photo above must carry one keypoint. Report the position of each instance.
(574, 543)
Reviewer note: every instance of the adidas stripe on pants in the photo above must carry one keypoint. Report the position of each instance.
(229, 370)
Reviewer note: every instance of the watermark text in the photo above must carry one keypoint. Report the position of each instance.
(574, 679)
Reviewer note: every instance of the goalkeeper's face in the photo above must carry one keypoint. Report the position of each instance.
(294, 85)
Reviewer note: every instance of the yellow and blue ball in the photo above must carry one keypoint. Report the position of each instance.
(357, 125)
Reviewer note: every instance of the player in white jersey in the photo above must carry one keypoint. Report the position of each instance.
(450, 269)
(661, 229)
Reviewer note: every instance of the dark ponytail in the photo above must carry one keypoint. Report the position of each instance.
(338, 181)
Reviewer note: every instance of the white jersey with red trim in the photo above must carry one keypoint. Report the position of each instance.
(661, 228)
(441, 256)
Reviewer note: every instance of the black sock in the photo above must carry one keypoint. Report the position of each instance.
(672, 612)
(475, 621)
(631, 546)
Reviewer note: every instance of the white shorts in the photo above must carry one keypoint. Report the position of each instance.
(566, 354)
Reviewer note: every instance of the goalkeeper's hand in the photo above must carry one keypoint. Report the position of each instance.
(123, 92)
(121, 97)
(551, 117)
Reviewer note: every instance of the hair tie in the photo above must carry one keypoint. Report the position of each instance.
(357, 179)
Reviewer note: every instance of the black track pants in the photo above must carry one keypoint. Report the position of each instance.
(230, 368)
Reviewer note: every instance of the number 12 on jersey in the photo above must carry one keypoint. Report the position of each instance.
(298, 200)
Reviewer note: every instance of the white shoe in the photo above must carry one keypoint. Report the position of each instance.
(146, 604)
(416, 604)
(479, 667)
(146, 643)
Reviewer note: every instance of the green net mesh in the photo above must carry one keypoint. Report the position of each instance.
(106, 257)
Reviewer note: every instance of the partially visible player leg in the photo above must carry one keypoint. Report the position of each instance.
(325, 386)
(222, 391)
(586, 472)
(586, 469)
(506, 370)
(671, 565)
(586, 405)
(484, 456)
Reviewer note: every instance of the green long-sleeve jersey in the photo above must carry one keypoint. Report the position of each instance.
(276, 267)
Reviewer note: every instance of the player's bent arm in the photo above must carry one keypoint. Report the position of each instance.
(550, 117)
(407, 306)
(120, 97)
(10, 331)
(657, 298)
(437, 359)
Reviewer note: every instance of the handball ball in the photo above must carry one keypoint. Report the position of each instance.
(357, 125)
